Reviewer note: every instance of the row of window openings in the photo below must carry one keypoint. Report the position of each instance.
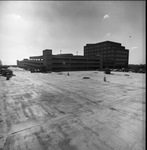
(74, 60)
(118, 52)
(112, 58)
(107, 52)
(36, 59)
(28, 65)
(80, 67)
(104, 48)
(33, 63)
(61, 62)
(105, 45)
(75, 64)
(111, 61)
(109, 55)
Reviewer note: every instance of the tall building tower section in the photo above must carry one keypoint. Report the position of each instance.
(47, 59)
(113, 54)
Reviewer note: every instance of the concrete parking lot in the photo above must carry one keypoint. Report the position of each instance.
(54, 111)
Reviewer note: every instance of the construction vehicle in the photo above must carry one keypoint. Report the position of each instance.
(107, 71)
(4, 71)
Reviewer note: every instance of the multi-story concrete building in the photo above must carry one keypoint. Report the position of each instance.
(60, 62)
(113, 54)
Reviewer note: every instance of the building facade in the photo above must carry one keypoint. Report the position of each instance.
(60, 62)
(113, 54)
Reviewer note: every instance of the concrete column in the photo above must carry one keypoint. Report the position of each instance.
(87, 64)
(47, 59)
(101, 62)
(69, 63)
(18, 64)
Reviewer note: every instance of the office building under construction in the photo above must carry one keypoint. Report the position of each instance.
(60, 62)
(99, 56)
(113, 54)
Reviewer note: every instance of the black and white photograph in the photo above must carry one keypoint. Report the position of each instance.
(73, 75)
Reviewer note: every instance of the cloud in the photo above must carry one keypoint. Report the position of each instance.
(106, 16)
(134, 47)
(108, 34)
(14, 16)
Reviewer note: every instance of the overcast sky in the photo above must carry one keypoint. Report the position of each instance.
(28, 27)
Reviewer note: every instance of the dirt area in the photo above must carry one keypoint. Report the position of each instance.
(57, 111)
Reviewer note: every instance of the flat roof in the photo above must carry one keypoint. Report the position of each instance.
(104, 42)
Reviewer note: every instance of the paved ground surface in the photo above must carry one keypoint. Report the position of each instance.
(58, 112)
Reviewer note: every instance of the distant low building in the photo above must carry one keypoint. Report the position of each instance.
(113, 54)
(60, 62)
